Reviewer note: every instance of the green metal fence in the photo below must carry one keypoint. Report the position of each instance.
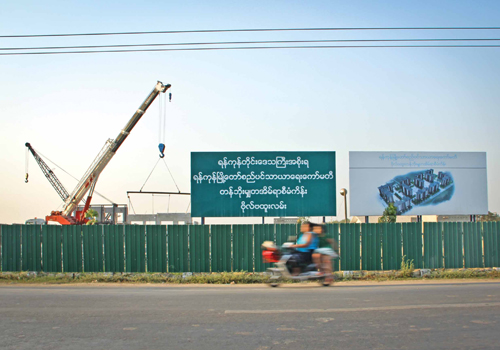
(93, 256)
(178, 248)
(219, 248)
(157, 248)
(51, 248)
(199, 241)
(433, 245)
(453, 245)
(371, 247)
(412, 243)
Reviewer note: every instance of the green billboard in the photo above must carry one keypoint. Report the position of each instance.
(245, 184)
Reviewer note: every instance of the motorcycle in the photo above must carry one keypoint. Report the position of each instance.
(286, 265)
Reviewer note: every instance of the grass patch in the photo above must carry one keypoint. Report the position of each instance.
(407, 272)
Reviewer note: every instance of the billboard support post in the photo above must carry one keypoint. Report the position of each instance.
(343, 193)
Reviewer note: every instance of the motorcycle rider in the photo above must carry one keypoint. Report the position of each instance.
(306, 244)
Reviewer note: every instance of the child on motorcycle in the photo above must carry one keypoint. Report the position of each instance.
(325, 252)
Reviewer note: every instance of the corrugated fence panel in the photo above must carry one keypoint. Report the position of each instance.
(51, 248)
(11, 247)
(199, 236)
(72, 248)
(92, 248)
(453, 255)
(371, 247)
(473, 246)
(332, 232)
(31, 248)
(243, 247)
(433, 245)
(350, 246)
(221, 248)
(157, 248)
(412, 243)
(491, 234)
(113, 249)
(284, 232)
(391, 246)
(262, 233)
(135, 248)
(178, 259)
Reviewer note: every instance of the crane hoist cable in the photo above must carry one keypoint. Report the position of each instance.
(162, 127)
(163, 123)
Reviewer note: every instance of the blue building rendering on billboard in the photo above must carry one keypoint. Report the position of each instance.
(417, 189)
(418, 183)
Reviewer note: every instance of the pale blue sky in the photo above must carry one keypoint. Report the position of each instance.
(355, 99)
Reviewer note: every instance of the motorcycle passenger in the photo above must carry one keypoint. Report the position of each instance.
(325, 252)
(306, 244)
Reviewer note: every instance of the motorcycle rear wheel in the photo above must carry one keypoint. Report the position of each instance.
(325, 282)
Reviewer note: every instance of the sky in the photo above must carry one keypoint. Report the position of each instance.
(397, 99)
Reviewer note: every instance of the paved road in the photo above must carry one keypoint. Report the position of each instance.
(430, 316)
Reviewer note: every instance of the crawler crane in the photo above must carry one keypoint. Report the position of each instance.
(87, 184)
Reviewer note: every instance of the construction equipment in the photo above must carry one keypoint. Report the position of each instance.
(89, 180)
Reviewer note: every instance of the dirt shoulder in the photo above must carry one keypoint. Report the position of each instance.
(252, 285)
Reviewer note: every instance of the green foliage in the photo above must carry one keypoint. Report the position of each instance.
(389, 214)
(303, 219)
(407, 267)
(490, 217)
(343, 221)
(92, 215)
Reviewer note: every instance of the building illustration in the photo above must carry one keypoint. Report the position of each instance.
(417, 189)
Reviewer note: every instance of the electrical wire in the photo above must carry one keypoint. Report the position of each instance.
(242, 43)
(245, 30)
(253, 48)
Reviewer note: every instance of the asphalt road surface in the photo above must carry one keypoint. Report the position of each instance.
(398, 316)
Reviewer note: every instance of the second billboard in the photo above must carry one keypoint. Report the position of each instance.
(418, 183)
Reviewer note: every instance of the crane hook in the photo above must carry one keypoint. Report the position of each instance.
(26, 181)
(161, 147)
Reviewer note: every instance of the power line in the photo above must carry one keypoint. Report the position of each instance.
(246, 30)
(241, 42)
(250, 48)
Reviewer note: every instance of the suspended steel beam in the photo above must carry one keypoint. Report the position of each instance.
(156, 192)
